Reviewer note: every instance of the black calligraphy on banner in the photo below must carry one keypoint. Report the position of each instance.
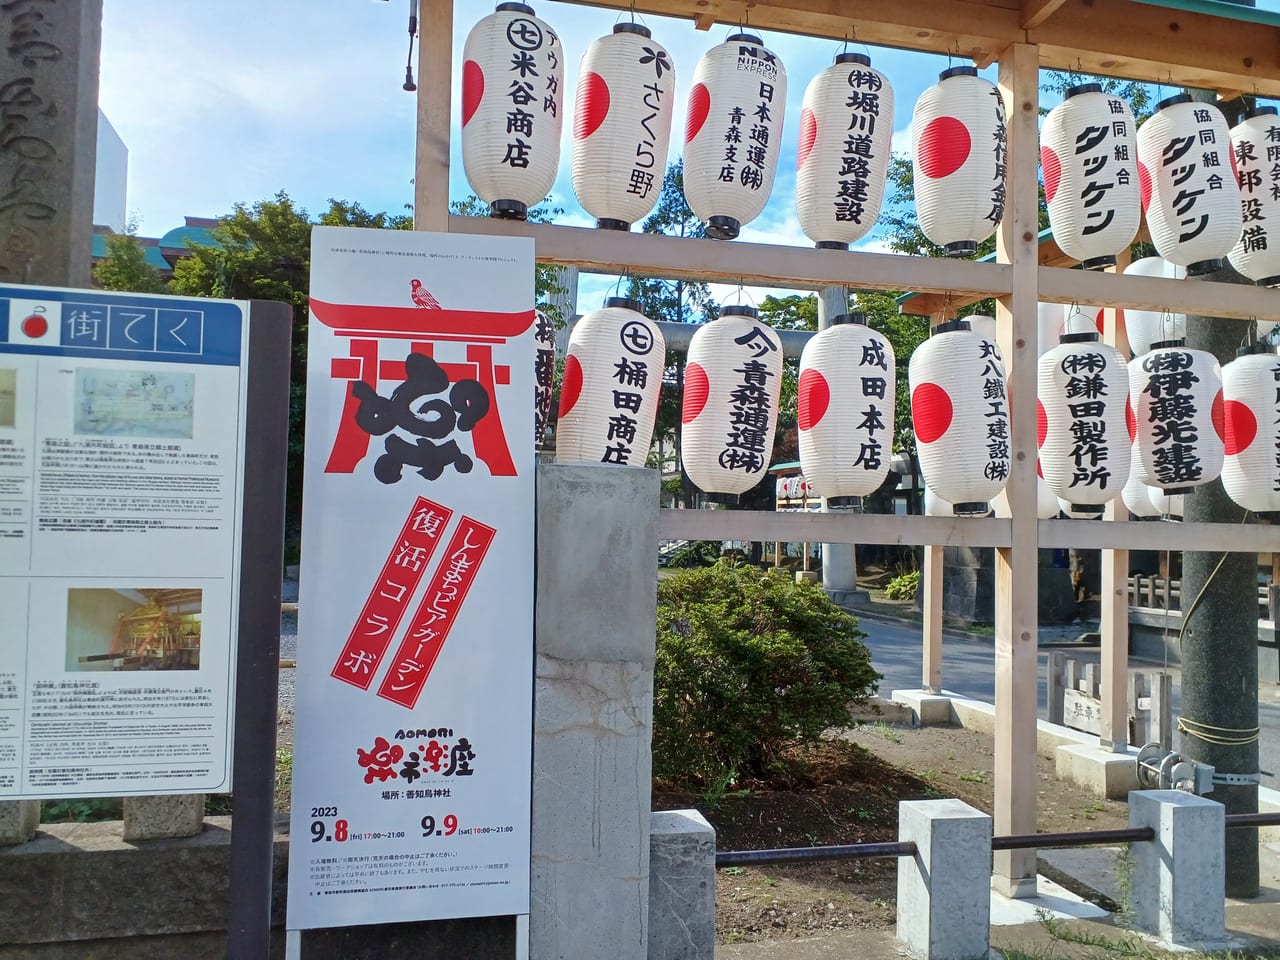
(854, 173)
(1184, 158)
(1250, 172)
(749, 442)
(1086, 394)
(1171, 412)
(419, 408)
(544, 373)
(632, 374)
(1001, 151)
(532, 66)
(1102, 151)
(997, 413)
(642, 173)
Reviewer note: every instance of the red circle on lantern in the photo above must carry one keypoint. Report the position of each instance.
(1144, 185)
(1241, 427)
(1042, 424)
(1039, 469)
(1218, 415)
(808, 136)
(571, 386)
(35, 326)
(472, 89)
(813, 397)
(1234, 168)
(699, 107)
(696, 389)
(930, 412)
(943, 148)
(1052, 173)
(1130, 420)
(592, 107)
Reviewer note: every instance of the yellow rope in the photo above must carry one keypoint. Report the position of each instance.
(1222, 736)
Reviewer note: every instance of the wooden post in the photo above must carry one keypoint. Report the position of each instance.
(1115, 585)
(931, 615)
(435, 95)
(1017, 625)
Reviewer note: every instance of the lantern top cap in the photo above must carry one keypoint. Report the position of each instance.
(1168, 344)
(744, 38)
(1085, 337)
(739, 310)
(624, 303)
(856, 317)
(1253, 349)
(1082, 88)
(1173, 101)
(949, 327)
(629, 27)
(1260, 111)
(851, 56)
(514, 8)
(961, 71)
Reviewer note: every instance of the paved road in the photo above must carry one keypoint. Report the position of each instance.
(968, 668)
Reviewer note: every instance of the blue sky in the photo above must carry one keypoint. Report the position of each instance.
(235, 100)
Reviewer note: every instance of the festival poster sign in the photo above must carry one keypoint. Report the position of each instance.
(122, 438)
(412, 738)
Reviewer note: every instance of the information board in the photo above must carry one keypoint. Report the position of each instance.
(122, 432)
(412, 737)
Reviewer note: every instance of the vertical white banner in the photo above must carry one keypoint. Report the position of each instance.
(412, 737)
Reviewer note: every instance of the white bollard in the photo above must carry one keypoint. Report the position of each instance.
(944, 891)
(1176, 881)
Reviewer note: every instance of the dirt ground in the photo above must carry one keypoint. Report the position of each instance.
(851, 796)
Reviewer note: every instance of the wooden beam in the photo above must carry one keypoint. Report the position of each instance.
(1114, 588)
(435, 94)
(1017, 609)
(1049, 254)
(1111, 37)
(769, 265)
(1121, 290)
(1036, 12)
(931, 614)
(1159, 536)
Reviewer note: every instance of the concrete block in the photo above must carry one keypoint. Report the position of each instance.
(593, 710)
(1101, 772)
(682, 886)
(161, 818)
(929, 709)
(944, 891)
(18, 821)
(1176, 881)
(809, 575)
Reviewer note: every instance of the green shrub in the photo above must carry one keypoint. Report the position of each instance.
(903, 587)
(695, 553)
(748, 663)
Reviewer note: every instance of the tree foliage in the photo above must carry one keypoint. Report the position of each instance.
(125, 266)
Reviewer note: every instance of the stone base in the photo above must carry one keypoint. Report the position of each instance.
(849, 598)
(18, 821)
(929, 709)
(682, 886)
(1101, 772)
(163, 818)
(812, 576)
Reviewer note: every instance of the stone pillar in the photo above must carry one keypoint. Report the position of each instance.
(49, 114)
(593, 710)
(944, 892)
(163, 817)
(682, 886)
(1176, 880)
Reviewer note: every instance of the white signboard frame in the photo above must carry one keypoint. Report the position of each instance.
(412, 740)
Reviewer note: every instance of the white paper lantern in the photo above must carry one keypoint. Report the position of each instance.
(1136, 494)
(1256, 147)
(1046, 503)
(1049, 320)
(1189, 192)
(960, 160)
(1168, 506)
(1251, 435)
(1082, 397)
(935, 506)
(609, 394)
(622, 126)
(1176, 395)
(842, 160)
(1089, 154)
(733, 133)
(960, 413)
(845, 409)
(544, 375)
(730, 406)
(1145, 327)
(512, 109)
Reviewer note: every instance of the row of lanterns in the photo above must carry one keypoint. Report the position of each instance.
(1158, 426)
(1208, 192)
